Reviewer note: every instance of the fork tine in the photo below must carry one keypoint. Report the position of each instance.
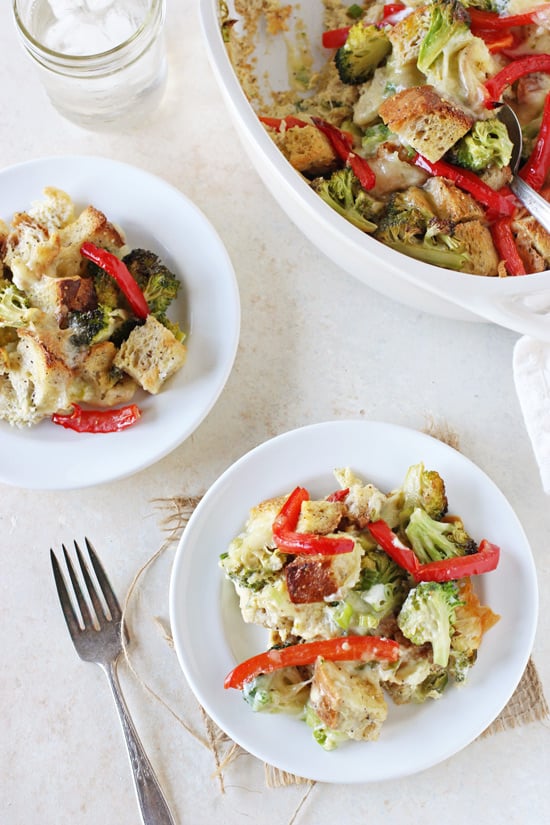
(83, 607)
(66, 605)
(90, 587)
(104, 583)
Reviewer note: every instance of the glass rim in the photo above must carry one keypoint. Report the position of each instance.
(36, 47)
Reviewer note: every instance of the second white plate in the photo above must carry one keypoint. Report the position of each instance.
(156, 216)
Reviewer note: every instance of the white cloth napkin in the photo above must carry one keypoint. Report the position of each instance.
(531, 367)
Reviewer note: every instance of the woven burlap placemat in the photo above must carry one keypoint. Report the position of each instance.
(528, 703)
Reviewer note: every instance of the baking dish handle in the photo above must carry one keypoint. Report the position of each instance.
(526, 313)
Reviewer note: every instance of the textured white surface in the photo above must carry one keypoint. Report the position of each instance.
(315, 345)
(532, 376)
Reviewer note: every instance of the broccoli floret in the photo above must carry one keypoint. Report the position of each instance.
(420, 235)
(373, 137)
(94, 325)
(423, 488)
(432, 687)
(381, 588)
(448, 20)
(460, 663)
(158, 284)
(326, 737)
(487, 143)
(434, 540)
(283, 691)
(174, 327)
(365, 48)
(15, 311)
(106, 289)
(428, 615)
(343, 192)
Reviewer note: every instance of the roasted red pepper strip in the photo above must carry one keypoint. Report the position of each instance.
(498, 203)
(98, 421)
(335, 38)
(342, 649)
(512, 72)
(338, 495)
(396, 550)
(341, 144)
(121, 274)
(503, 239)
(485, 560)
(536, 169)
(491, 20)
(496, 41)
(392, 8)
(287, 122)
(289, 541)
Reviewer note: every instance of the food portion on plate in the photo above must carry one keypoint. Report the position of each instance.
(83, 319)
(393, 119)
(364, 594)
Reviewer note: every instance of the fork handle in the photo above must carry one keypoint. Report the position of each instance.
(153, 805)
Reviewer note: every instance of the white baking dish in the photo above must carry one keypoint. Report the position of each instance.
(521, 303)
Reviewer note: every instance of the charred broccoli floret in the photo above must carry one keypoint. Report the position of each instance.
(365, 48)
(423, 488)
(158, 284)
(420, 235)
(343, 192)
(107, 292)
(94, 325)
(428, 615)
(486, 144)
(434, 540)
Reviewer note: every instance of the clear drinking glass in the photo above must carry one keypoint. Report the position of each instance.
(102, 62)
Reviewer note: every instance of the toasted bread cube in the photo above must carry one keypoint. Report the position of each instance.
(100, 386)
(315, 578)
(533, 242)
(480, 247)
(452, 203)
(407, 35)
(348, 701)
(151, 354)
(320, 516)
(425, 120)
(307, 149)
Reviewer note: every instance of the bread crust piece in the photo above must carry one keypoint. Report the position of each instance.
(424, 120)
(151, 354)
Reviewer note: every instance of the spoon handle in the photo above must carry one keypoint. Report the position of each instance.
(533, 202)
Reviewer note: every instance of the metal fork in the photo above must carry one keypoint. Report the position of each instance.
(98, 637)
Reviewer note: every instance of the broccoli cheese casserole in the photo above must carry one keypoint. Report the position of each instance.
(82, 318)
(398, 130)
(365, 595)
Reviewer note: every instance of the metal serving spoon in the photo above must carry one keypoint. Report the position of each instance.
(533, 202)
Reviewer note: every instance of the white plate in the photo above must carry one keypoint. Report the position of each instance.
(411, 738)
(156, 216)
